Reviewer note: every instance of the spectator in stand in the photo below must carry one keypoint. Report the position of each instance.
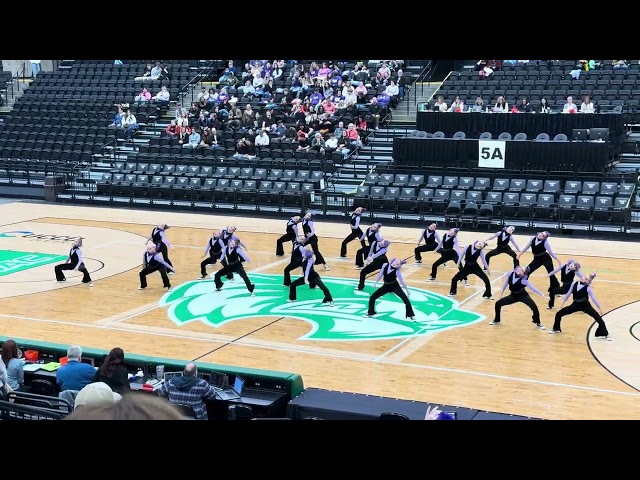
(523, 106)
(352, 137)
(147, 75)
(362, 128)
(216, 141)
(570, 107)
(230, 80)
(361, 92)
(75, 374)
(244, 149)
(189, 390)
(247, 90)
(205, 141)
(163, 97)
(331, 144)
(277, 71)
(194, 140)
(95, 394)
(172, 131)
(130, 124)
(587, 105)
(457, 105)
(180, 110)
(183, 134)
(376, 112)
(403, 80)
(544, 106)
(318, 143)
(620, 64)
(478, 106)
(384, 99)
(117, 119)
(14, 366)
(500, 106)
(203, 95)
(384, 72)
(440, 105)
(131, 407)
(392, 91)
(262, 140)
(113, 372)
(156, 72)
(143, 96)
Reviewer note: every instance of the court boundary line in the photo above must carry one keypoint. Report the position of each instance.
(246, 343)
(588, 342)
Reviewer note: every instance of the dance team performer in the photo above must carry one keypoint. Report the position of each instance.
(310, 277)
(159, 237)
(471, 255)
(517, 281)
(431, 240)
(309, 231)
(356, 232)
(581, 291)
(152, 261)
(214, 249)
(568, 272)
(542, 255)
(290, 235)
(231, 259)
(74, 262)
(390, 273)
(504, 236)
(377, 257)
(369, 237)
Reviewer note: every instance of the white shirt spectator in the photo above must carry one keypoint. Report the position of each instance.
(570, 107)
(391, 90)
(163, 94)
(263, 139)
(129, 120)
(587, 107)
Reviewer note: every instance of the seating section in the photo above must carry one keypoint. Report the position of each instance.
(608, 87)
(484, 195)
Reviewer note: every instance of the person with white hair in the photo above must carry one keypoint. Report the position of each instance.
(75, 374)
(74, 262)
(152, 261)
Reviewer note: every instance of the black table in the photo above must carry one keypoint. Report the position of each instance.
(474, 123)
(265, 403)
(519, 155)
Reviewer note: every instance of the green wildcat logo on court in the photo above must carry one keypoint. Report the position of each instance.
(12, 261)
(198, 300)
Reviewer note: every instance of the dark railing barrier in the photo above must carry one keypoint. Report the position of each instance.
(411, 94)
(552, 216)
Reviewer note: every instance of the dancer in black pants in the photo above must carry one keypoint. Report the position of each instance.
(74, 262)
(377, 257)
(517, 281)
(581, 291)
(296, 259)
(542, 255)
(504, 236)
(226, 235)
(471, 267)
(232, 255)
(309, 230)
(370, 236)
(431, 241)
(392, 281)
(214, 249)
(448, 250)
(290, 235)
(568, 272)
(152, 261)
(159, 237)
(356, 232)
(310, 277)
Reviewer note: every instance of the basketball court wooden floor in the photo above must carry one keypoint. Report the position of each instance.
(450, 356)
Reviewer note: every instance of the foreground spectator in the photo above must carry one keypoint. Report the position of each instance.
(433, 413)
(97, 393)
(189, 390)
(75, 375)
(113, 372)
(14, 366)
(132, 407)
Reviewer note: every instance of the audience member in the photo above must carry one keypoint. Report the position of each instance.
(131, 407)
(189, 390)
(113, 372)
(97, 393)
(76, 374)
(14, 365)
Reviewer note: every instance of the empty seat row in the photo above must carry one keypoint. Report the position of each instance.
(241, 173)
